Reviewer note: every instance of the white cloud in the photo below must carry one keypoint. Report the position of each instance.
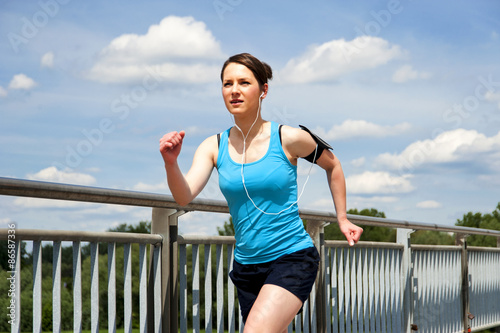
(21, 81)
(358, 162)
(143, 187)
(407, 73)
(378, 182)
(451, 146)
(375, 199)
(492, 96)
(98, 209)
(48, 203)
(429, 204)
(5, 221)
(47, 60)
(3, 92)
(178, 48)
(52, 174)
(361, 128)
(338, 57)
(201, 223)
(356, 201)
(200, 130)
(489, 180)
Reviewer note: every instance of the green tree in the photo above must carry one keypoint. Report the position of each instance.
(431, 238)
(26, 277)
(227, 229)
(483, 221)
(4, 255)
(370, 233)
(143, 227)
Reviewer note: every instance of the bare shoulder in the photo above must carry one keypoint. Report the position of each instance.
(209, 148)
(293, 135)
(296, 142)
(211, 141)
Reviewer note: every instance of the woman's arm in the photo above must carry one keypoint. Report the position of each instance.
(336, 181)
(299, 143)
(185, 188)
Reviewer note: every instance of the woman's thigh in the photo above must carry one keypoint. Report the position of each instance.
(273, 310)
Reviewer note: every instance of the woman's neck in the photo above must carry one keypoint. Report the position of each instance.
(249, 128)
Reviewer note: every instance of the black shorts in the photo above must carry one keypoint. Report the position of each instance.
(296, 272)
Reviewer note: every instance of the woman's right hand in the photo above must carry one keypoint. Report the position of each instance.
(170, 146)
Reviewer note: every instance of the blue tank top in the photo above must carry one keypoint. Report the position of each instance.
(272, 184)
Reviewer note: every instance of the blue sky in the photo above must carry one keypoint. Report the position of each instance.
(407, 92)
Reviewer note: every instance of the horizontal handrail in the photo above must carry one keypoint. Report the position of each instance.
(426, 247)
(364, 244)
(199, 239)
(483, 249)
(82, 236)
(48, 190)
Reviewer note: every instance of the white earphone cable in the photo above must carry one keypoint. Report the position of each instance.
(243, 157)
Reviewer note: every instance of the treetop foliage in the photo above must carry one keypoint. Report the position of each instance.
(383, 234)
(483, 221)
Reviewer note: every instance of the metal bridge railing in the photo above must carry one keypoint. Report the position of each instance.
(371, 287)
(95, 239)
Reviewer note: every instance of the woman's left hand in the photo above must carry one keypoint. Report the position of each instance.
(351, 231)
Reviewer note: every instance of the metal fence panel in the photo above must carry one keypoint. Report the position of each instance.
(127, 287)
(16, 325)
(231, 305)
(437, 304)
(94, 286)
(220, 287)
(112, 288)
(56, 287)
(365, 290)
(183, 287)
(196, 288)
(77, 287)
(157, 289)
(484, 288)
(58, 311)
(37, 286)
(208, 288)
(143, 289)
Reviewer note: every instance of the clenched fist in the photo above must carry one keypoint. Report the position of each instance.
(170, 146)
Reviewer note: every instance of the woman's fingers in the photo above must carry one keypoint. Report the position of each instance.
(171, 140)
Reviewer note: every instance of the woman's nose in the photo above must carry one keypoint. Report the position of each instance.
(235, 89)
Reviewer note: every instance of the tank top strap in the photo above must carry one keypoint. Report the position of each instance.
(275, 143)
(223, 151)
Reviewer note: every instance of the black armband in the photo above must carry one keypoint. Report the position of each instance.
(321, 145)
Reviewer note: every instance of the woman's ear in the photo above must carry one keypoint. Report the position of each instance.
(265, 88)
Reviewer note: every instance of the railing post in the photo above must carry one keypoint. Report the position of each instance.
(160, 225)
(497, 329)
(316, 230)
(461, 240)
(403, 237)
(173, 222)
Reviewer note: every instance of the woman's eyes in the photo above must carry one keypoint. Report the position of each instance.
(244, 83)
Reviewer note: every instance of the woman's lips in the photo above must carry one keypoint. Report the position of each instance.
(236, 102)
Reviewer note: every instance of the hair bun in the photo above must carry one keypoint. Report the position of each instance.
(260, 69)
(269, 70)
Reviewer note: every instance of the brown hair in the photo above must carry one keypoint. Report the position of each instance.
(260, 70)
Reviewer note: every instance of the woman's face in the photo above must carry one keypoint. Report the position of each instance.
(240, 90)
